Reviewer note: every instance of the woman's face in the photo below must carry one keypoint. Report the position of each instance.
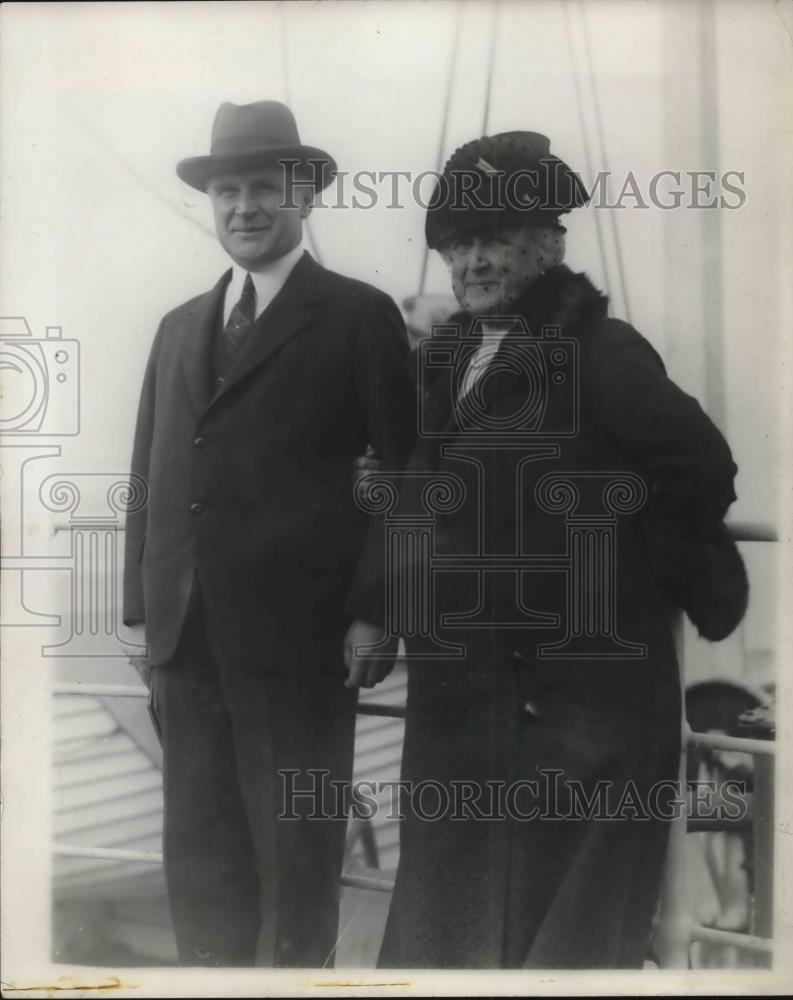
(489, 273)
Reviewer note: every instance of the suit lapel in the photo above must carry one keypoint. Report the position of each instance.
(199, 335)
(293, 308)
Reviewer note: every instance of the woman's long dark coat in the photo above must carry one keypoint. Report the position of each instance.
(554, 893)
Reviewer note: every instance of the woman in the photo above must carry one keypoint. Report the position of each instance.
(592, 493)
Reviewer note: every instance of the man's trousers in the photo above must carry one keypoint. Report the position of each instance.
(245, 886)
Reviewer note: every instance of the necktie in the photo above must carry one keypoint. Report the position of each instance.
(241, 318)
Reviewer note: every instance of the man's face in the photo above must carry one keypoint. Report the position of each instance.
(257, 221)
(489, 273)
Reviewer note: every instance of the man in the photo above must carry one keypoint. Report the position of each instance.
(257, 398)
(584, 499)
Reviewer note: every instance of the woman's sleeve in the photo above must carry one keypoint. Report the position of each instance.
(664, 433)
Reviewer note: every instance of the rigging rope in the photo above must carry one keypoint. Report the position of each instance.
(602, 144)
(491, 63)
(285, 73)
(444, 127)
(587, 149)
(144, 183)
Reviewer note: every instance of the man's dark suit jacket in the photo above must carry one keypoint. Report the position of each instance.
(251, 486)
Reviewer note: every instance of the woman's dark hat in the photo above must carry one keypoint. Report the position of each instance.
(501, 180)
(251, 136)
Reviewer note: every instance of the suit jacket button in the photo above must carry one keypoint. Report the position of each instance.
(199, 442)
(196, 508)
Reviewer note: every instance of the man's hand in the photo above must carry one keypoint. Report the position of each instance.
(140, 662)
(366, 671)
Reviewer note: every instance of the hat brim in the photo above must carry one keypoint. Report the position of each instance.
(314, 163)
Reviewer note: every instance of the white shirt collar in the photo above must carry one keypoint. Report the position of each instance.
(267, 282)
(485, 353)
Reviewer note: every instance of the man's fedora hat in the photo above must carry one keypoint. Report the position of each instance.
(500, 180)
(251, 136)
